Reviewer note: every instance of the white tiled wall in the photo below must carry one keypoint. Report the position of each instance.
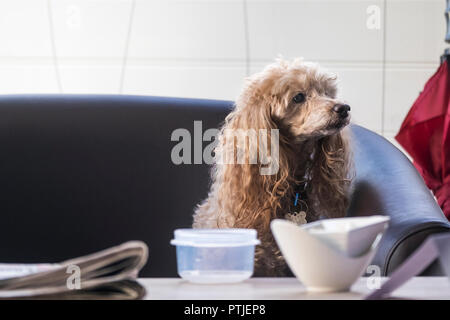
(330, 30)
(24, 29)
(204, 48)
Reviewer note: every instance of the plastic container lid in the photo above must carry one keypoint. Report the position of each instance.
(215, 237)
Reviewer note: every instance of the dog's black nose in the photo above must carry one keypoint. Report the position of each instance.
(342, 110)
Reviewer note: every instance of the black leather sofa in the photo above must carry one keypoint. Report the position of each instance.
(79, 173)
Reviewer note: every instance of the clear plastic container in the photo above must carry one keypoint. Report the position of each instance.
(215, 255)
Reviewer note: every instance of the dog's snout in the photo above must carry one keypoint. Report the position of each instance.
(342, 110)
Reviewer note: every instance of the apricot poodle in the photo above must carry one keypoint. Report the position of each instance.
(297, 101)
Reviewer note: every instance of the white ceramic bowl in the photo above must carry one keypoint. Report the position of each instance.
(352, 236)
(326, 264)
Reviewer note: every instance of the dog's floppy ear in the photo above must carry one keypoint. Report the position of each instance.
(254, 110)
(252, 197)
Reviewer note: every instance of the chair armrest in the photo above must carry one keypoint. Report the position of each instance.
(387, 183)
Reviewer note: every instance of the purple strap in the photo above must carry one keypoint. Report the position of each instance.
(433, 247)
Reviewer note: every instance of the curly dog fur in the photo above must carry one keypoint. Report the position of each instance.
(313, 148)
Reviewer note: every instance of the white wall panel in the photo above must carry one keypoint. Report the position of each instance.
(94, 78)
(185, 81)
(24, 28)
(27, 79)
(415, 30)
(91, 28)
(188, 30)
(317, 30)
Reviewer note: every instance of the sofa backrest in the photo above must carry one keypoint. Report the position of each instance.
(82, 173)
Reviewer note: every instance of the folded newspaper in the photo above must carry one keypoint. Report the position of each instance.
(107, 274)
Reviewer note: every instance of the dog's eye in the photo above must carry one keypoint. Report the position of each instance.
(299, 98)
